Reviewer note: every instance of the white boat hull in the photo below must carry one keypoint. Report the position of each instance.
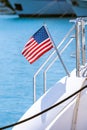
(60, 117)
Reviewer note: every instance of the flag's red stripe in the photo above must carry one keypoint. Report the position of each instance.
(39, 55)
(29, 44)
(40, 48)
(28, 49)
(39, 52)
(34, 50)
(37, 48)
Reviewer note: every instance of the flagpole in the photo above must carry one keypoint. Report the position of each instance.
(58, 54)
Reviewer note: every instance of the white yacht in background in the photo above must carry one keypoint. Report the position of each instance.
(49, 7)
(80, 7)
(25, 8)
(4, 9)
(64, 106)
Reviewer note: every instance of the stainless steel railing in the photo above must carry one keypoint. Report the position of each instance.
(43, 65)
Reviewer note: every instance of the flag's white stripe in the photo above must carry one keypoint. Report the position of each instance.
(34, 43)
(39, 49)
(39, 54)
(38, 45)
(32, 47)
(33, 51)
(28, 44)
(28, 49)
(29, 41)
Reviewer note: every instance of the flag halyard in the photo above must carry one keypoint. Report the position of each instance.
(39, 44)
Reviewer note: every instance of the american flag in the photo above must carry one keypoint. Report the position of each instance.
(38, 44)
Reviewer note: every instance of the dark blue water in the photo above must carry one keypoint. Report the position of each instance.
(16, 74)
